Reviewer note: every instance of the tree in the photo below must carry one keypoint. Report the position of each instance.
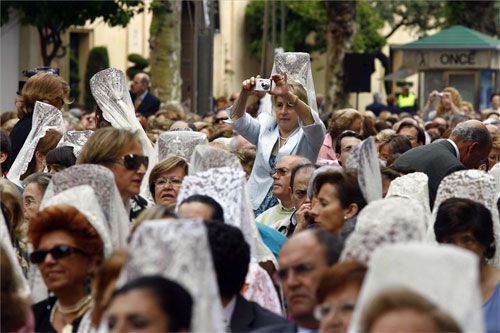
(140, 63)
(340, 32)
(165, 49)
(483, 16)
(53, 18)
(98, 60)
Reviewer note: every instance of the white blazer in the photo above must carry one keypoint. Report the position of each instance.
(263, 132)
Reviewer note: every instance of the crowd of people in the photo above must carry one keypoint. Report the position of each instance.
(265, 214)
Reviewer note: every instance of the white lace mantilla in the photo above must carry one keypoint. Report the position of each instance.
(102, 181)
(75, 139)
(178, 250)
(110, 90)
(445, 275)
(45, 117)
(474, 185)
(206, 157)
(179, 143)
(412, 186)
(364, 159)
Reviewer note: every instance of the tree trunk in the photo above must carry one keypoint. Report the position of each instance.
(340, 31)
(165, 50)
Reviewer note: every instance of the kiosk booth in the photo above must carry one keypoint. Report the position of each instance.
(459, 57)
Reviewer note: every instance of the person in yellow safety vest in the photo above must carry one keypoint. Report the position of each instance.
(407, 101)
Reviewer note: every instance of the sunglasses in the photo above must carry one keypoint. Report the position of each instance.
(220, 120)
(134, 162)
(57, 252)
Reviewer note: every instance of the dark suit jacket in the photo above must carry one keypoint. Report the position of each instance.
(436, 160)
(248, 316)
(149, 105)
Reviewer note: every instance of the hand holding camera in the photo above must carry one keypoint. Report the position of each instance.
(257, 85)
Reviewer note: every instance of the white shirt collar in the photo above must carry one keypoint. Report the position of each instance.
(454, 146)
(229, 309)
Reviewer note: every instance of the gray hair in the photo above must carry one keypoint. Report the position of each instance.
(467, 133)
(145, 79)
(42, 179)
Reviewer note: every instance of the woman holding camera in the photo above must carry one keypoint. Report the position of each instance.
(293, 129)
(449, 101)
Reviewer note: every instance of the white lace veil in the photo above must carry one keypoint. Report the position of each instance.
(206, 157)
(495, 172)
(320, 170)
(75, 139)
(45, 117)
(384, 222)
(102, 181)
(178, 250)
(226, 185)
(445, 275)
(297, 66)
(110, 91)
(412, 186)
(364, 159)
(5, 241)
(474, 185)
(179, 143)
(87, 201)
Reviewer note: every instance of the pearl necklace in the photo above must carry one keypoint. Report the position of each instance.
(80, 307)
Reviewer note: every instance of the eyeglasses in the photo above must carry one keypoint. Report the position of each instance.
(281, 171)
(134, 162)
(322, 310)
(220, 120)
(162, 182)
(298, 269)
(57, 252)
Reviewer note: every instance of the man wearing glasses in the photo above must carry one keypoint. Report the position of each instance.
(280, 189)
(303, 260)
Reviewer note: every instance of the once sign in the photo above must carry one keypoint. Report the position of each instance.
(458, 58)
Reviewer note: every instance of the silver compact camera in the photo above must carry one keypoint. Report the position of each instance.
(262, 85)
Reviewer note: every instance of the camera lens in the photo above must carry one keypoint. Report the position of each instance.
(265, 86)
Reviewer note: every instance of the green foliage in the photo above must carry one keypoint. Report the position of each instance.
(97, 61)
(140, 63)
(74, 77)
(368, 39)
(483, 16)
(302, 19)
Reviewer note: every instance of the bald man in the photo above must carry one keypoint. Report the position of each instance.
(469, 143)
(145, 103)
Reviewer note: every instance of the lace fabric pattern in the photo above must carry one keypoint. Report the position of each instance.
(475, 185)
(430, 270)
(206, 157)
(179, 143)
(110, 90)
(384, 222)
(75, 139)
(259, 288)
(364, 159)
(102, 181)
(178, 250)
(412, 186)
(45, 117)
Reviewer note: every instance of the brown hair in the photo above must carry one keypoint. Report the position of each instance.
(166, 165)
(106, 275)
(68, 219)
(404, 299)
(12, 209)
(342, 120)
(14, 309)
(46, 144)
(346, 184)
(107, 145)
(339, 276)
(42, 87)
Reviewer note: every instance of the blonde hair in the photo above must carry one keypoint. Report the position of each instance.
(455, 97)
(166, 165)
(107, 145)
(384, 134)
(12, 209)
(342, 120)
(296, 89)
(42, 87)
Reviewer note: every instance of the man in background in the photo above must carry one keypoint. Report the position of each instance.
(145, 103)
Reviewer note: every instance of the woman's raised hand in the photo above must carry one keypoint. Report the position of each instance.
(280, 86)
(249, 84)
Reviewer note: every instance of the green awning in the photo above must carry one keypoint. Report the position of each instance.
(455, 37)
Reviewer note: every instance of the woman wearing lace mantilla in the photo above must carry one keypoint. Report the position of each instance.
(293, 129)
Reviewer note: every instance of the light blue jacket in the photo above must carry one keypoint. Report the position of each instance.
(264, 132)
